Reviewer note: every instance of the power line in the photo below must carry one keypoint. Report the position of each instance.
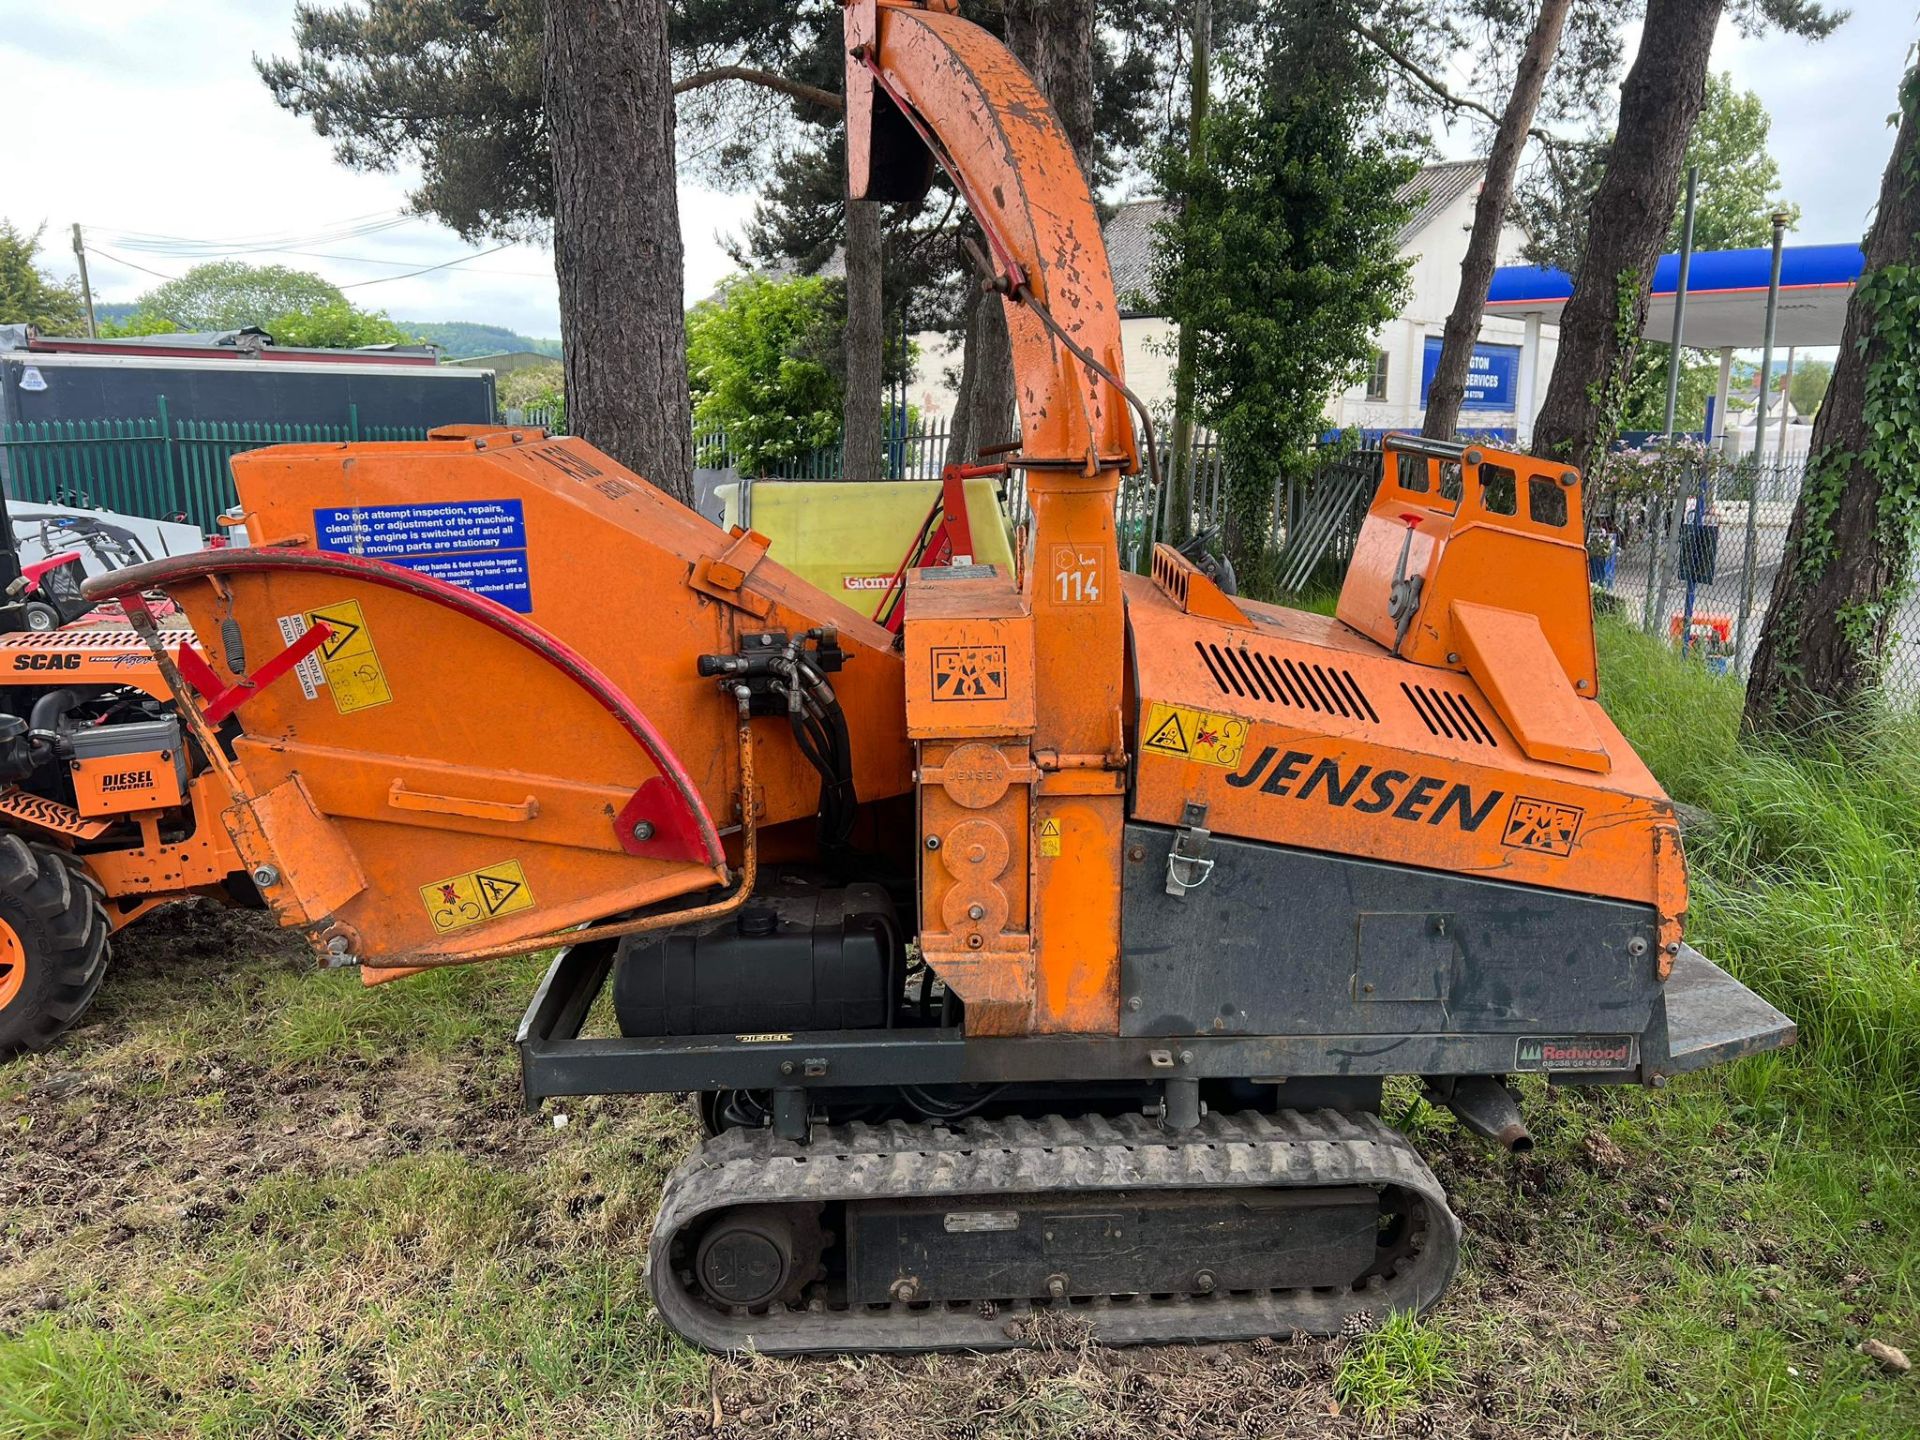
(158, 242)
(354, 284)
(359, 284)
(105, 255)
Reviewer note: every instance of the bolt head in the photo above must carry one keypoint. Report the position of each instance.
(1637, 946)
(337, 945)
(266, 875)
(1204, 1282)
(643, 830)
(1057, 1286)
(1133, 1002)
(933, 842)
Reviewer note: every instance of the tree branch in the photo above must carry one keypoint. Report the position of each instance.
(1447, 97)
(793, 89)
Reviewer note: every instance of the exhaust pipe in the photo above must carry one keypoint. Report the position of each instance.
(1485, 1105)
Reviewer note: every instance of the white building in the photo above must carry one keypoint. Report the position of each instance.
(1511, 365)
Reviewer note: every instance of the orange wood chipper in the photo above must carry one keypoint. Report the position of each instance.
(1051, 953)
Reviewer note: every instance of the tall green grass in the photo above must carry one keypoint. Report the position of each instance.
(1805, 868)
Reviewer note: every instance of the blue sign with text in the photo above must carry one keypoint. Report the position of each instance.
(1493, 376)
(479, 545)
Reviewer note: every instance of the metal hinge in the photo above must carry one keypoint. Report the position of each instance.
(1188, 865)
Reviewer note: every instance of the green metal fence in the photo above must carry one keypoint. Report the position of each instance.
(154, 465)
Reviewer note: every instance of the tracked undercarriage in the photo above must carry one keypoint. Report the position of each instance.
(943, 1236)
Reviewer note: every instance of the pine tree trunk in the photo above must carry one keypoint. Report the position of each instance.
(1850, 547)
(983, 411)
(1626, 229)
(865, 344)
(1187, 348)
(1449, 388)
(608, 95)
(1054, 40)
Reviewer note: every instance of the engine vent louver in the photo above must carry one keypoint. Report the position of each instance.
(1446, 713)
(1249, 674)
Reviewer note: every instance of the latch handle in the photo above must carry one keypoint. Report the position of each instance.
(401, 798)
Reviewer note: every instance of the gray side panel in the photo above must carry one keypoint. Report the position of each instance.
(1290, 942)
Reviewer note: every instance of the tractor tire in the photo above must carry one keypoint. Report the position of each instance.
(41, 616)
(53, 943)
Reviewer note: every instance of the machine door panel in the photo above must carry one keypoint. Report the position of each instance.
(1291, 942)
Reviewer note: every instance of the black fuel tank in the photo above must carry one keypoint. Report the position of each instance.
(796, 957)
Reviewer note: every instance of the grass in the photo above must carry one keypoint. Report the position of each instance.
(1393, 1368)
(249, 1200)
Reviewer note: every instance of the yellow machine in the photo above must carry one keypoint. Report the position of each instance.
(1050, 953)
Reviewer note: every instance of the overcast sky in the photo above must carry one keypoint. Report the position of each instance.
(144, 118)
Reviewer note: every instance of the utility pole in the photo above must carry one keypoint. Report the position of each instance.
(86, 289)
(1780, 223)
(1180, 499)
(1659, 544)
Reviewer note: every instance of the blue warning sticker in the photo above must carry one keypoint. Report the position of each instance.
(479, 545)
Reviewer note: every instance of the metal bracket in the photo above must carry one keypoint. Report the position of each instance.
(1188, 865)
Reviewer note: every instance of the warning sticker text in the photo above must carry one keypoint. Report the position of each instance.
(479, 545)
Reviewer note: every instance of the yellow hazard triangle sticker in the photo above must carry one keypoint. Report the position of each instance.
(484, 894)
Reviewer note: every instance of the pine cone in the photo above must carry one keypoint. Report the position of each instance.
(986, 1309)
(1356, 1325)
(1729, 1320)
(1263, 1345)
(1659, 1379)
(1560, 1397)
(1426, 1426)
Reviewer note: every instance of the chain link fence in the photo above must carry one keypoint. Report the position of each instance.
(1687, 544)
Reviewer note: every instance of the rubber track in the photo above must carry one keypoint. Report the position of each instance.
(1292, 1149)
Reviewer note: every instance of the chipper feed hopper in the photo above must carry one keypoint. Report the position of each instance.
(1051, 956)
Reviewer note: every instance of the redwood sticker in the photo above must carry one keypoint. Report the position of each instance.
(1575, 1052)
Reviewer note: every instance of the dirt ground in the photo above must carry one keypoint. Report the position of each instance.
(248, 1199)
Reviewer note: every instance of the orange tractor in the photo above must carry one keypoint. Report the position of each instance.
(1051, 953)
